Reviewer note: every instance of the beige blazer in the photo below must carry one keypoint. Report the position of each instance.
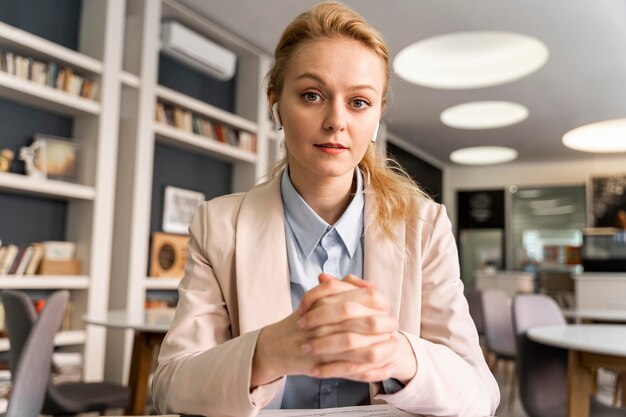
(237, 281)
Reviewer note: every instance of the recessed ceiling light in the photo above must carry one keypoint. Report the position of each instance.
(606, 136)
(483, 155)
(484, 115)
(470, 59)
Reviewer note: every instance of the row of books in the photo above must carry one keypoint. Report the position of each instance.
(29, 259)
(47, 73)
(20, 260)
(194, 123)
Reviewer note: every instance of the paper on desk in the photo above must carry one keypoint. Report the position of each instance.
(362, 411)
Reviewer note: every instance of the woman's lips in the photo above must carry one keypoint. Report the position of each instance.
(331, 148)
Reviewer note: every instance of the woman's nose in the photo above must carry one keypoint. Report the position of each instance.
(335, 117)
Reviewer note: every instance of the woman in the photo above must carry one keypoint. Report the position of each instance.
(253, 328)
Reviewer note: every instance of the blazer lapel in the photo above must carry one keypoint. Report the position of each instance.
(262, 272)
(383, 262)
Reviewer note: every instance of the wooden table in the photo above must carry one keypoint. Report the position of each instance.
(590, 346)
(150, 328)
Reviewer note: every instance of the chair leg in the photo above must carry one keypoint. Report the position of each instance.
(620, 388)
(513, 387)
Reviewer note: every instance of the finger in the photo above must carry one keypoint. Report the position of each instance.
(341, 343)
(376, 324)
(354, 371)
(354, 280)
(368, 296)
(344, 306)
(330, 286)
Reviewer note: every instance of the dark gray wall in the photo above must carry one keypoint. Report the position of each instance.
(427, 176)
(182, 169)
(188, 81)
(56, 20)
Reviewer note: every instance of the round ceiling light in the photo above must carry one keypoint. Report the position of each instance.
(484, 115)
(606, 136)
(465, 60)
(483, 155)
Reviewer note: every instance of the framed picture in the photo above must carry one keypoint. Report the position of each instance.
(179, 207)
(608, 201)
(53, 158)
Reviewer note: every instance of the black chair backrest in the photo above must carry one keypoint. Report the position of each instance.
(542, 369)
(31, 349)
(475, 304)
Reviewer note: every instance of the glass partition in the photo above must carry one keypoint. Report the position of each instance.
(546, 227)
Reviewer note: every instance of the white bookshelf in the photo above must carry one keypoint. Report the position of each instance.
(168, 95)
(19, 40)
(44, 97)
(63, 338)
(44, 282)
(201, 144)
(89, 218)
(130, 80)
(160, 283)
(47, 188)
(141, 133)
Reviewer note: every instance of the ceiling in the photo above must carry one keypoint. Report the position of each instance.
(583, 81)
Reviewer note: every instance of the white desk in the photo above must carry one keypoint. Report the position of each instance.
(150, 328)
(590, 346)
(613, 315)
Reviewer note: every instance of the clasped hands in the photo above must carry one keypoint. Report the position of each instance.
(342, 329)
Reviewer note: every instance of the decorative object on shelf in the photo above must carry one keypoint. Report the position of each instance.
(168, 255)
(608, 200)
(6, 157)
(179, 207)
(53, 158)
(59, 259)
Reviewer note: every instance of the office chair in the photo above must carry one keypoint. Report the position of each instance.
(498, 328)
(30, 376)
(62, 399)
(542, 369)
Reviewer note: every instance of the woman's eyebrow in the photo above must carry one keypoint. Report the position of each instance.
(310, 75)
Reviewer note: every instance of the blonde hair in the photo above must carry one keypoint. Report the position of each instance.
(395, 196)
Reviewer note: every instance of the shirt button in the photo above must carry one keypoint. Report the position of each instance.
(327, 389)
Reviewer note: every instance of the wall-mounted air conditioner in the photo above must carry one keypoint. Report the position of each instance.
(183, 44)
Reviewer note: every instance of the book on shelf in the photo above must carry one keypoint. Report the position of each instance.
(48, 74)
(44, 258)
(188, 121)
(8, 257)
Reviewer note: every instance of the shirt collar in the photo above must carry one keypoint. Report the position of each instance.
(308, 228)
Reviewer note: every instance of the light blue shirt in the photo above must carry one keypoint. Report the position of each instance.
(313, 247)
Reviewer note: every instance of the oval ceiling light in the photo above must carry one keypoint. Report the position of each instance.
(465, 60)
(484, 115)
(483, 155)
(606, 136)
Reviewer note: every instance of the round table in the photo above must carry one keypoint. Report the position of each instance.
(150, 327)
(613, 315)
(590, 346)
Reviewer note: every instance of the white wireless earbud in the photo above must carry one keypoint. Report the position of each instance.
(375, 135)
(277, 122)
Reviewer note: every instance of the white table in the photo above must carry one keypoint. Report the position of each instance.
(590, 346)
(150, 327)
(613, 315)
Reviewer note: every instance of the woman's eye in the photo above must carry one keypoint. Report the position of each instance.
(359, 103)
(310, 96)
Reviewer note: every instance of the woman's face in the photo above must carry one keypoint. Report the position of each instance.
(330, 105)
